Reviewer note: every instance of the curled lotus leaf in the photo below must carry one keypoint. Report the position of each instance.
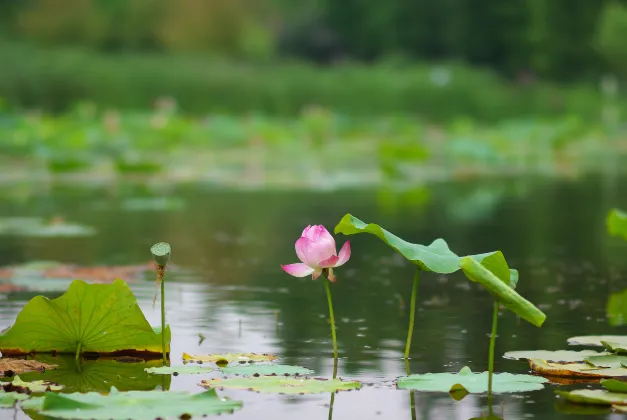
(594, 397)
(553, 356)
(223, 359)
(607, 361)
(474, 383)
(575, 370)
(614, 385)
(283, 385)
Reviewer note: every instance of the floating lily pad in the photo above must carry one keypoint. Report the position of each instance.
(607, 361)
(575, 370)
(101, 318)
(594, 396)
(261, 370)
(100, 375)
(475, 383)
(8, 399)
(614, 385)
(283, 385)
(223, 359)
(34, 386)
(175, 370)
(37, 227)
(616, 309)
(20, 366)
(614, 343)
(552, 356)
(617, 223)
(131, 405)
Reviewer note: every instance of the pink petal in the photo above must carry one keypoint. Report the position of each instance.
(297, 270)
(301, 249)
(344, 255)
(305, 231)
(311, 253)
(329, 262)
(316, 274)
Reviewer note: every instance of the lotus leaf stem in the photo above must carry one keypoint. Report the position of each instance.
(160, 279)
(78, 350)
(332, 317)
(495, 320)
(412, 312)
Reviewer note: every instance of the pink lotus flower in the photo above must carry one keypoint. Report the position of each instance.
(316, 249)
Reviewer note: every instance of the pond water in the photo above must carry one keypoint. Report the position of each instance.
(230, 288)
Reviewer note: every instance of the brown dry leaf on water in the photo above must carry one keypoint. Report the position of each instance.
(17, 366)
(574, 370)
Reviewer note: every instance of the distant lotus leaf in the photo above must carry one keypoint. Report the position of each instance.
(8, 399)
(475, 383)
(229, 357)
(101, 318)
(131, 405)
(607, 361)
(564, 406)
(250, 370)
(575, 370)
(614, 343)
(617, 223)
(616, 309)
(34, 386)
(100, 375)
(21, 365)
(283, 385)
(176, 370)
(594, 396)
(36, 227)
(552, 356)
(154, 203)
(614, 385)
(436, 257)
(620, 408)
(506, 295)
(488, 417)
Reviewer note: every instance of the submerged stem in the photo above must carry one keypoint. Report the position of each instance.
(495, 319)
(160, 280)
(412, 394)
(331, 316)
(412, 312)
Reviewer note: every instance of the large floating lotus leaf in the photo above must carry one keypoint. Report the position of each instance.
(131, 405)
(617, 223)
(507, 296)
(221, 359)
(102, 318)
(616, 309)
(594, 396)
(436, 257)
(607, 361)
(614, 343)
(552, 356)
(261, 370)
(100, 375)
(34, 386)
(614, 385)
(475, 383)
(283, 385)
(575, 370)
(8, 399)
(176, 370)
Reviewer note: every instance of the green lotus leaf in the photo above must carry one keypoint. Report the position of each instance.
(131, 405)
(607, 361)
(101, 318)
(8, 399)
(616, 309)
(100, 375)
(436, 257)
(617, 223)
(261, 370)
(507, 296)
(475, 383)
(553, 356)
(282, 384)
(179, 370)
(229, 358)
(567, 407)
(33, 386)
(614, 385)
(613, 343)
(593, 396)
(575, 370)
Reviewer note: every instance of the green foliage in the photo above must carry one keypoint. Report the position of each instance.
(474, 383)
(611, 35)
(617, 223)
(131, 404)
(614, 385)
(101, 318)
(616, 309)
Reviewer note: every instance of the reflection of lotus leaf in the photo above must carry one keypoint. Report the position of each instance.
(101, 374)
(131, 405)
(8, 399)
(473, 382)
(552, 356)
(283, 385)
(102, 318)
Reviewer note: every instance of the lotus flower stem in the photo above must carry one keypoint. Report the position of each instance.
(412, 312)
(332, 317)
(495, 320)
(160, 279)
